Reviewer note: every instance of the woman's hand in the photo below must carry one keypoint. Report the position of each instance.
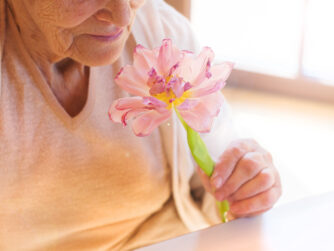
(245, 176)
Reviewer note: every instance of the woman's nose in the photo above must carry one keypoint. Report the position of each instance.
(117, 12)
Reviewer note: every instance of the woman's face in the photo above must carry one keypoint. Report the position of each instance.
(92, 32)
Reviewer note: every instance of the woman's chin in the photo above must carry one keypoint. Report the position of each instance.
(98, 59)
(98, 54)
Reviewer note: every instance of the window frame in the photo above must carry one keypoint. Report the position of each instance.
(298, 87)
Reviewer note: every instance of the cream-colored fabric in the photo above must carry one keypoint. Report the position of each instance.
(84, 183)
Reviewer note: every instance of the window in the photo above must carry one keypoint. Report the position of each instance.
(319, 41)
(285, 45)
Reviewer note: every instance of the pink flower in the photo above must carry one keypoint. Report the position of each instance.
(167, 78)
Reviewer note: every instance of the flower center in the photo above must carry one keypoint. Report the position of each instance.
(170, 98)
(171, 89)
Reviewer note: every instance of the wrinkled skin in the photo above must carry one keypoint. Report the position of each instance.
(58, 29)
(62, 38)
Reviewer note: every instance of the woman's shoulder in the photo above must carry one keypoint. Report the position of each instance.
(157, 20)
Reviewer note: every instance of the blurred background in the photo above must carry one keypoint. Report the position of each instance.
(282, 89)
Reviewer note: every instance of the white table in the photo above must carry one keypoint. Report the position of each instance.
(295, 226)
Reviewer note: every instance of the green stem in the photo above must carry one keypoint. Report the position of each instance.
(203, 159)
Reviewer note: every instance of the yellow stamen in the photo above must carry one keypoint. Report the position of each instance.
(170, 98)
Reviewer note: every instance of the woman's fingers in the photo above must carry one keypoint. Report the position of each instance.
(229, 160)
(248, 167)
(256, 204)
(205, 180)
(263, 181)
(245, 175)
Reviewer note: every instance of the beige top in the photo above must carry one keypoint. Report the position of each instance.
(79, 183)
(84, 183)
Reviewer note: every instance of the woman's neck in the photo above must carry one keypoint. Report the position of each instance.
(70, 85)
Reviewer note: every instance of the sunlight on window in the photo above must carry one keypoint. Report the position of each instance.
(319, 41)
(259, 35)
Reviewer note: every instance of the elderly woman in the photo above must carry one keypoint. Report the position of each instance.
(72, 180)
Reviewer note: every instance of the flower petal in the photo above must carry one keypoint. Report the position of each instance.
(168, 57)
(125, 109)
(194, 69)
(133, 81)
(177, 86)
(209, 88)
(198, 119)
(144, 124)
(155, 103)
(129, 103)
(134, 78)
(122, 106)
(219, 74)
(213, 102)
(200, 116)
(144, 59)
(131, 114)
(188, 104)
(222, 71)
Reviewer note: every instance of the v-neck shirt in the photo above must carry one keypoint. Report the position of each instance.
(76, 183)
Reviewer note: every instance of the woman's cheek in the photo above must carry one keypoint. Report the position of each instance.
(66, 13)
(69, 17)
(76, 13)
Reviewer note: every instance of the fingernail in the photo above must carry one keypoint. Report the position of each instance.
(217, 182)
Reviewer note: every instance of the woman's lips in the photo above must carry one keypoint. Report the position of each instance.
(108, 37)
